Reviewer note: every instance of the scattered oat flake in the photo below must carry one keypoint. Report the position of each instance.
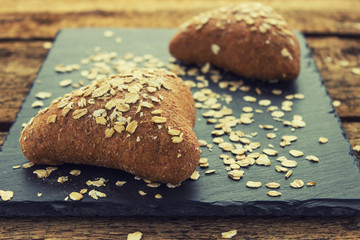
(47, 45)
(277, 114)
(108, 33)
(62, 179)
(158, 196)
(355, 71)
(310, 184)
(83, 191)
(273, 185)
(75, 196)
(263, 160)
(274, 193)
(16, 167)
(252, 184)
(75, 172)
(97, 183)
(65, 83)
(236, 174)
(264, 102)
(28, 165)
(96, 194)
(43, 173)
(323, 140)
(153, 184)
(39, 194)
(281, 169)
(289, 163)
(120, 183)
(202, 143)
(336, 103)
(37, 103)
(229, 234)
(142, 193)
(210, 171)
(312, 158)
(247, 109)
(296, 153)
(281, 158)
(276, 91)
(288, 174)
(43, 95)
(356, 148)
(271, 135)
(195, 175)
(226, 146)
(6, 195)
(249, 99)
(134, 236)
(297, 183)
(289, 138)
(270, 152)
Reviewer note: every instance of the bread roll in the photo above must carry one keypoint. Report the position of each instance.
(140, 122)
(249, 39)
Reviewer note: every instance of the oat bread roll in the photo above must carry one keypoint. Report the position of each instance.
(249, 39)
(140, 122)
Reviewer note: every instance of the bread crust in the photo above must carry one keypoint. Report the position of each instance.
(249, 39)
(149, 151)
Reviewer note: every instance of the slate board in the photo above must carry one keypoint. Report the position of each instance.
(337, 174)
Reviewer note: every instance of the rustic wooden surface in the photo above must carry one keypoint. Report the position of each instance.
(332, 30)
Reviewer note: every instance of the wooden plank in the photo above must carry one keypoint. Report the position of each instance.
(28, 20)
(22, 6)
(329, 54)
(181, 228)
(19, 61)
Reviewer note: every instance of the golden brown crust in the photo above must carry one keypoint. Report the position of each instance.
(118, 134)
(249, 39)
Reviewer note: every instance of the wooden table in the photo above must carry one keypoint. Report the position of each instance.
(332, 30)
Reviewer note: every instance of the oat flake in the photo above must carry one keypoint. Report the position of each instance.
(195, 175)
(75, 196)
(273, 185)
(297, 183)
(274, 193)
(229, 234)
(134, 236)
(251, 184)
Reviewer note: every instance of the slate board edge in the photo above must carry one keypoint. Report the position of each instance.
(312, 207)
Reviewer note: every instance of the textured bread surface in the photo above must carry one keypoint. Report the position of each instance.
(140, 122)
(249, 39)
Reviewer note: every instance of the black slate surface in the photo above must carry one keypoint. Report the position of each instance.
(337, 174)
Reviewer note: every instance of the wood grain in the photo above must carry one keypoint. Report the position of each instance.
(180, 228)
